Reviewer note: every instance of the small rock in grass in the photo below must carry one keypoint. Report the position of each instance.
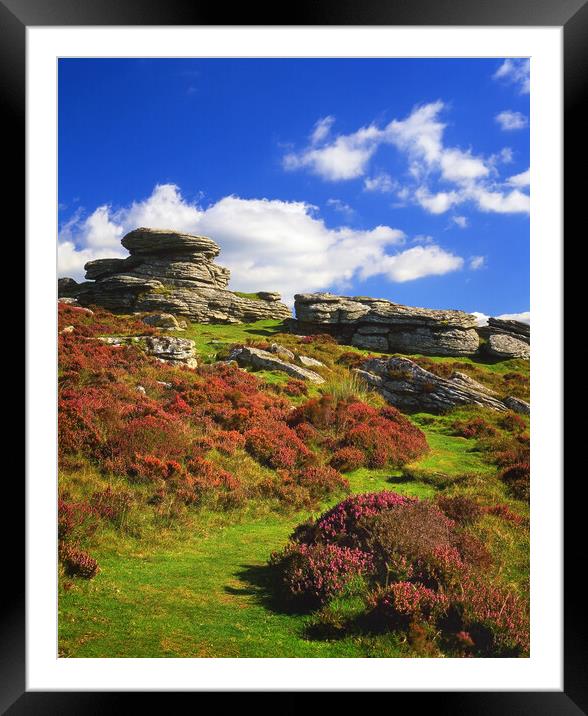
(309, 362)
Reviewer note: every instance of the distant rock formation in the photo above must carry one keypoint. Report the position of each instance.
(409, 387)
(169, 271)
(380, 325)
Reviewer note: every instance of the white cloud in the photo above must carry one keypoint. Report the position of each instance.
(341, 207)
(322, 129)
(437, 203)
(419, 136)
(345, 158)
(416, 262)
(459, 166)
(267, 244)
(382, 183)
(495, 201)
(460, 221)
(520, 180)
(481, 318)
(524, 317)
(509, 120)
(477, 262)
(517, 72)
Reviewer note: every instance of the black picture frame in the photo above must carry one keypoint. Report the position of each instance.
(572, 15)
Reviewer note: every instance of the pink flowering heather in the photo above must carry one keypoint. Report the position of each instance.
(405, 602)
(315, 573)
(340, 522)
(496, 610)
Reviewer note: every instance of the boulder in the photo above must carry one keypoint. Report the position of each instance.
(264, 360)
(162, 320)
(67, 287)
(518, 405)
(171, 349)
(504, 345)
(517, 329)
(309, 362)
(168, 349)
(151, 241)
(379, 325)
(281, 351)
(409, 387)
(171, 272)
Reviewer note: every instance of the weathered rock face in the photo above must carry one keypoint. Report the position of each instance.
(504, 345)
(168, 349)
(379, 325)
(162, 320)
(264, 360)
(173, 272)
(409, 387)
(516, 329)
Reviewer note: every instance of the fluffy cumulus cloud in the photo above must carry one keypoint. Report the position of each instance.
(516, 72)
(440, 176)
(417, 262)
(267, 244)
(509, 120)
(524, 317)
(520, 180)
(346, 157)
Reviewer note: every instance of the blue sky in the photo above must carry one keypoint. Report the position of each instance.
(405, 179)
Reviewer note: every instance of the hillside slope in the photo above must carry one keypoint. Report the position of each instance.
(177, 484)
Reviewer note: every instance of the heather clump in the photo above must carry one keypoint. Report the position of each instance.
(423, 572)
(379, 437)
(77, 563)
(312, 574)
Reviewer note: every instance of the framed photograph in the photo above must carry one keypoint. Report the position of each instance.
(287, 429)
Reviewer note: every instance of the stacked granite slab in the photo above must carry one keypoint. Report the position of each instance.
(383, 326)
(172, 272)
(506, 338)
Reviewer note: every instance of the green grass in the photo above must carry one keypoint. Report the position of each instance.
(211, 338)
(250, 296)
(201, 589)
(201, 593)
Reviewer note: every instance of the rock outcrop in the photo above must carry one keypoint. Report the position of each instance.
(380, 325)
(170, 272)
(516, 329)
(409, 387)
(168, 349)
(506, 338)
(504, 345)
(264, 360)
(165, 321)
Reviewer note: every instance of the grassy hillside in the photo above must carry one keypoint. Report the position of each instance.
(182, 490)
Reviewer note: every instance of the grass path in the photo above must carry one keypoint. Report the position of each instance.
(203, 593)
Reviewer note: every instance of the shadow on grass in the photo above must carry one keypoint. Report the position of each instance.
(265, 331)
(261, 583)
